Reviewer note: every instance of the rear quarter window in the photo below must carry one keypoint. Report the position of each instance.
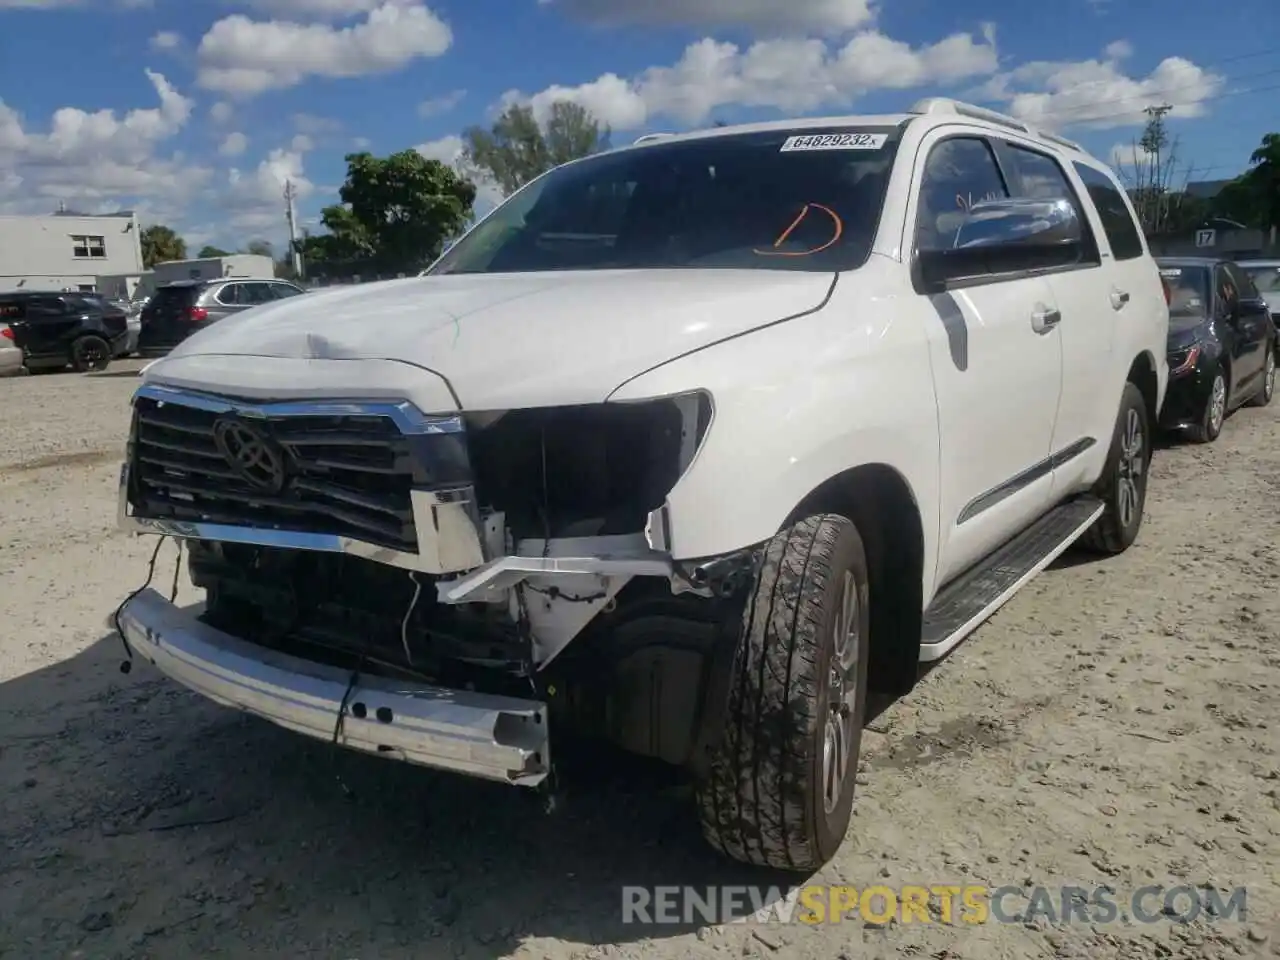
(12, 310)
(1117, 222)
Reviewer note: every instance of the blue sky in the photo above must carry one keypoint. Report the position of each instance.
(194, 112)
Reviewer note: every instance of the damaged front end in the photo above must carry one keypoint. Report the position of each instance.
(410, 584)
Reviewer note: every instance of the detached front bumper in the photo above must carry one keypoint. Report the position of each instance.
(491, 737)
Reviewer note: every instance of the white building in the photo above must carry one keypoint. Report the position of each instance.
(64, 250)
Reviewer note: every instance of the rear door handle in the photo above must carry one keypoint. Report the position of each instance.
(1119, 298)
(1045, 319)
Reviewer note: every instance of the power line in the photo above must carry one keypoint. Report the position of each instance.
(1066, 113)
(1186, 103)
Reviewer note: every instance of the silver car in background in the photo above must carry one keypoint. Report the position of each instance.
(10, 352)
(1265, 275)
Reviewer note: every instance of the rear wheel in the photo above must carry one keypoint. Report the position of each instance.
(1215, 410)
(90, 353)
(1123, 485)
(1263, 397)
(779, 791)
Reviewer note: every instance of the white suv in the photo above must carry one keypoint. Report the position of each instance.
(686, 446)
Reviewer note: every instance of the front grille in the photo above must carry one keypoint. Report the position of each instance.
(346, 475)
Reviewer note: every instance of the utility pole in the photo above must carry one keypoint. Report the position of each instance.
(1154, 140)
(294, 256)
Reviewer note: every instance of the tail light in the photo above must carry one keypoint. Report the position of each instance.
(196, 314)
(6, 333)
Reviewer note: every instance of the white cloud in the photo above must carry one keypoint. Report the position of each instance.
(362, 143)
(795, 76)
(220, 112)
(796, 17)
(319, 9)
(242, 57)
(100, 157)
(166, 40)
(1099, 94)
(448, 150)
(233, 144)
(434, 106)
(254, 200)
(301, 143)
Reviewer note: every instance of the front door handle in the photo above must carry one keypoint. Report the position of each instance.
(1045, 319)
(1119, 298)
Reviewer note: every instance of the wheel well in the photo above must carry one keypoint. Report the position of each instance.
(879, 502)
(1142, 374)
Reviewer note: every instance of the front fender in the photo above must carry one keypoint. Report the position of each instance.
(795, 405)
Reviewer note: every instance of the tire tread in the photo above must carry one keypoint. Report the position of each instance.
(753, 805)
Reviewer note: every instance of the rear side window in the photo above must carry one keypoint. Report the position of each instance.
(1118, 223)
(282, 290)
(12, 310)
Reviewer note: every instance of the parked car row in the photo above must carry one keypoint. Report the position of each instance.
(45, 330)
(54, 329)
(1222, 341)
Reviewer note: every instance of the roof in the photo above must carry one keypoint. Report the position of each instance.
(767, 126)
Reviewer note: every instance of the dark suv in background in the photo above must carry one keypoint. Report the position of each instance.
(56, 328)
(177, 310)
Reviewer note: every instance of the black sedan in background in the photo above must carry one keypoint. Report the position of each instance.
(1222, 345)
(59, 328)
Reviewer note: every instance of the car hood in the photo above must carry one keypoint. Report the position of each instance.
(516, 340)
(1184, 331)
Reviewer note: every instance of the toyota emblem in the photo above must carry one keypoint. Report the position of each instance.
(252, 455)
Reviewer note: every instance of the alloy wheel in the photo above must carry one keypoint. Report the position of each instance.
(838, 728)
(1131, 469)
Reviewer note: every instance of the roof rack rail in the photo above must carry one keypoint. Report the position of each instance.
(1061, 141)
(940, 105)
(650, 137)
(937, 105)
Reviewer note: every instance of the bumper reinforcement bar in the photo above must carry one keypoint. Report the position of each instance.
(495, 738)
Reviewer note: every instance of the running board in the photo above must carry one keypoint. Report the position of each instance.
(962, 605)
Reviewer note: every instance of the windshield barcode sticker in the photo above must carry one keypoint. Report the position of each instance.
(835, 141)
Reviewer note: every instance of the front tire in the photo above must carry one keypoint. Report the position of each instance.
(1123, 485)
(1215, 410)
(779, 789)
(1263, 397)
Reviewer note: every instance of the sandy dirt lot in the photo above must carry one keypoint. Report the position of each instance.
(1117, 724)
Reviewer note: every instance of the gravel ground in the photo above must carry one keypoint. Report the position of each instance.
(1115, 724)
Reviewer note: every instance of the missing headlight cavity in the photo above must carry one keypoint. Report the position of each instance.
(584, 471)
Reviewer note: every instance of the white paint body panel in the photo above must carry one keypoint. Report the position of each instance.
(812, 374)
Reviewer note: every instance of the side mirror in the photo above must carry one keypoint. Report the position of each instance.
(1005, 236)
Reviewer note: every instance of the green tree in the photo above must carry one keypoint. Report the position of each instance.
(208, 250)
(161, 244)
(1253, 198)
(395, 215)
(260, 248)
(516, 149)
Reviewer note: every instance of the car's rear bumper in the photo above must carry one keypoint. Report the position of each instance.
(491, 737)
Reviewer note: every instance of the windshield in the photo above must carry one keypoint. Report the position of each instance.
(1266, 279)
(1190, 292)
(778, 200)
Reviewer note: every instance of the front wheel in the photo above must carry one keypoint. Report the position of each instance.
(90, 353)
(1215, 410)
(1123, 485)
(779, 790)
(1263, 397)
